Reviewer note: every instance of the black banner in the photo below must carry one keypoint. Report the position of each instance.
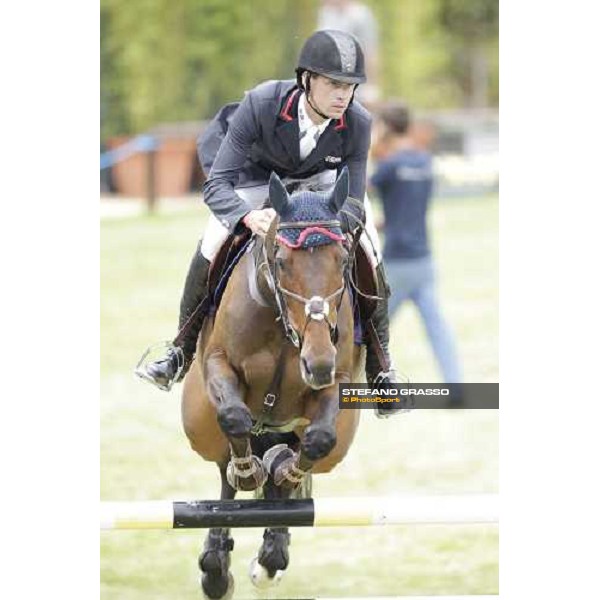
(420, 395)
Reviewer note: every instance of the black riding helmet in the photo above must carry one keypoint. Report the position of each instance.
(335, 54)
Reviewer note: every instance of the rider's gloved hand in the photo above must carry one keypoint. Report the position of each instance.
(259, 221)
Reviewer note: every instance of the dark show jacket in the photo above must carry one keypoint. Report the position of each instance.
(245, 142)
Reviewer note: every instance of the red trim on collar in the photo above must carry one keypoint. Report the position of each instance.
(341, 123)
(285, 112)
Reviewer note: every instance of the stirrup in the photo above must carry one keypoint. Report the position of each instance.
(166, 347)
(401, 379)
(379, 378)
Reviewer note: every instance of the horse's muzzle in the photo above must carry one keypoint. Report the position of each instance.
(317, 375)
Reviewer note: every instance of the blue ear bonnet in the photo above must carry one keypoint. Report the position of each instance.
(308, 206)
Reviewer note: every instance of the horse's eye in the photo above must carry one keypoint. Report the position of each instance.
(279, 263)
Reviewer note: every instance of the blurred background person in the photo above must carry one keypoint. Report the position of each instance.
(403, 180)
(358, 19)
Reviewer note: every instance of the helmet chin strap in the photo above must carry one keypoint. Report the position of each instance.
(307, 92)
(306, 84)
(310, 103)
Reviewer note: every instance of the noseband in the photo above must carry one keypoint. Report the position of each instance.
(316, 308)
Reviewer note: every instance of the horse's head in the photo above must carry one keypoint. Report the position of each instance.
(309, 261)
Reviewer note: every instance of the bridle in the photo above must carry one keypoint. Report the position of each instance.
(316, 308)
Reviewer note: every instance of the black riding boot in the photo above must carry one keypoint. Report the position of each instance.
(172, 367)
(376, 371)
(379, 370)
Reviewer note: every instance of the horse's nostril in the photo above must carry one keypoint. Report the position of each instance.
(320, 373)
(323, 371)
(306, 366)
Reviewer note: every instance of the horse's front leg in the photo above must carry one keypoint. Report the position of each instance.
(288, 468)
(245, 472)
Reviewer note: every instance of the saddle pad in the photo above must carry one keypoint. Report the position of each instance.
(220, 289)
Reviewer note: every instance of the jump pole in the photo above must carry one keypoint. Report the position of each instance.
(317, 512)
(487, 597)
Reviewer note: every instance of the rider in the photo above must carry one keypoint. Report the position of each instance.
(304, 130)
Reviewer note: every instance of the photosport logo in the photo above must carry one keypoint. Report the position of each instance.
(420, 395)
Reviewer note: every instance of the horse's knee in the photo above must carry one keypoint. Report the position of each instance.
(346, 426)
(318, 442)
(235, 420)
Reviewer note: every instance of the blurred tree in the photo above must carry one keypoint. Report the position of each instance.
(439, 53)
(415, 61)
(113, 112)
(472, 35)
(171, 61)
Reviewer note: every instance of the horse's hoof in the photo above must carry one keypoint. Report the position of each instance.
(247, 480)
(215, 590)
(259, 576)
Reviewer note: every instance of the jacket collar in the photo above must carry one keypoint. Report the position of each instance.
(287, 126)
(289, 134)
(289, 110)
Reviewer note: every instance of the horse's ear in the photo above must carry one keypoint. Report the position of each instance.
(340, 191)
(278, 194)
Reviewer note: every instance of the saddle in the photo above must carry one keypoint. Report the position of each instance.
(364, 277)
(223, 264)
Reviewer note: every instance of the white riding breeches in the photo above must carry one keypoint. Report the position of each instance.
(216, 233)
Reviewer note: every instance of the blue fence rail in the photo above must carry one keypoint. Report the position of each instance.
(142, 144)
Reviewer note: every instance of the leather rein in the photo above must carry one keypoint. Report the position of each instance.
(315, 308)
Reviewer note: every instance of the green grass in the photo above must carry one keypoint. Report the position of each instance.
(145, 455)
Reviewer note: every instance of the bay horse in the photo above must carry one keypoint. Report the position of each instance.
(261, 399)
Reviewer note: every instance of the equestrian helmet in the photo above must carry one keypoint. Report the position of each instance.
(334, 54)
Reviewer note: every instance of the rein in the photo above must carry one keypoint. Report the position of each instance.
(315, 308)
(361, 228)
